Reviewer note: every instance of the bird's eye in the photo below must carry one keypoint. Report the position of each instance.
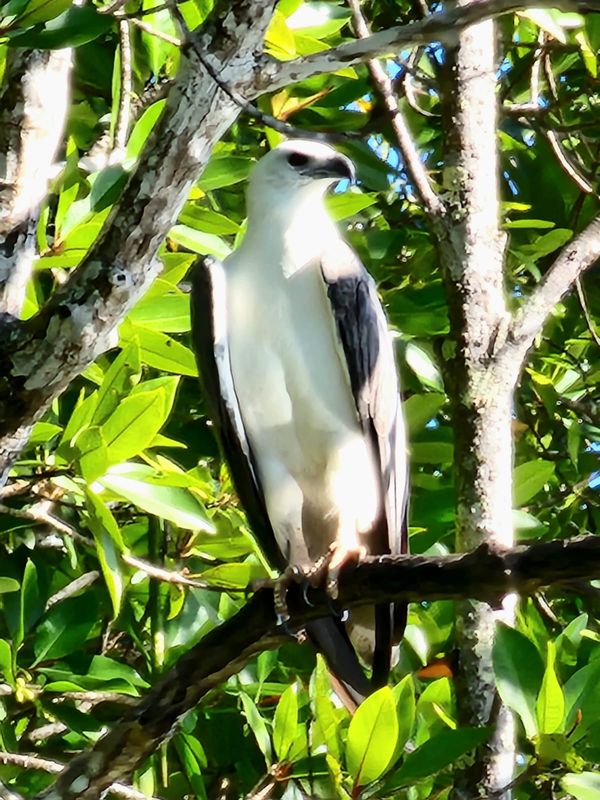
(297, 160)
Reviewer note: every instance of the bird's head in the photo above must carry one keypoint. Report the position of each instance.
(297, 169)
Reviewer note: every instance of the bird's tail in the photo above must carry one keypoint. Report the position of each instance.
(349, 681)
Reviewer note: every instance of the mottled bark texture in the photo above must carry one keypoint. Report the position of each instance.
(482, 405)
(33, 110)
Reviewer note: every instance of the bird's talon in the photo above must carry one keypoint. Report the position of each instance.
(305, 589)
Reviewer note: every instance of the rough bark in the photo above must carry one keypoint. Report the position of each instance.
(32, 118)
(473, 267)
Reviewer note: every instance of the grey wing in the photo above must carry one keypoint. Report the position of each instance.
(366, 343)
(209, 340)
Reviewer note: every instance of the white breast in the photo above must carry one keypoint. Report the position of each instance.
(317, 470)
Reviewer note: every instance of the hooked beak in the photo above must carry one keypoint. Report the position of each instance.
(337, 167)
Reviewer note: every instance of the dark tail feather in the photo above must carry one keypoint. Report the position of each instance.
(350, 682)
(383, 645)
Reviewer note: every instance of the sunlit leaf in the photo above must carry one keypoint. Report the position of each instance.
(372, 737)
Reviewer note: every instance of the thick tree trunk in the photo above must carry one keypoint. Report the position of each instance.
(473, 267)
(33, 111)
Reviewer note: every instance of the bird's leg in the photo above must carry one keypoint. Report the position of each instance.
(326, 569)
(280, 585)
(341, 555)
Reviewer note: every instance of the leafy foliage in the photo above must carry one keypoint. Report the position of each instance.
(124, 469)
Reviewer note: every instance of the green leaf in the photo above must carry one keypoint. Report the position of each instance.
(193, 759)
(326, 718)
(75, 27)
(160, 351)
(420, 408)
(423, 365)
(92, 453)
(134, 424)
(175, 504)
(205, 219)
(31, 606)
(169, 313)
(66, 628)
(531, 224)
(109, 545)
(44, 432)
(342, 206)
(199, 242)
(518, 687)
(224, 171)
(574, 441)
(6, 662)
(547, 21)
(119, 379)
(530, 478)
(235, 576)
(143, 128)
(79, 419)
(38, 11)
(580, 686)
(97, 672)
(285, 722)
(582, 785)
(8, 585)
(434, 755)
(372, 737)
(550, 707)
(404, 695)
(258, 726)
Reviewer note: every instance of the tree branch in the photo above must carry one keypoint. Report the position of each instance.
(33, 762)
(32, 123)
(485, 574)
(443, 27)
(574, 259)
(383, 85)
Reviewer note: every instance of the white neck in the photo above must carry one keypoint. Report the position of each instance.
(292, 233)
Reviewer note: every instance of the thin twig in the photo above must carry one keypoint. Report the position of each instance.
(552, 137)
(111, 8)
(580, 254)
(405, 80)
(124, 112)
(586, 311)
(414, 166)
(55, 767)
(566, 164)
(146, 12)
(285, 128)
(144, 26)
(38, 514)
(82, 582)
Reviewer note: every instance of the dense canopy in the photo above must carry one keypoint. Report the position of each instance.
(119, 509)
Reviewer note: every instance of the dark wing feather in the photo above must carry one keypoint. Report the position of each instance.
(366, 343)
(209, 340)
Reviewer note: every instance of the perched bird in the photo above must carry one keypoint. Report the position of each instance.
(300, 379)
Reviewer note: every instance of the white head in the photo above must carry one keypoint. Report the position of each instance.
(298, 170)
